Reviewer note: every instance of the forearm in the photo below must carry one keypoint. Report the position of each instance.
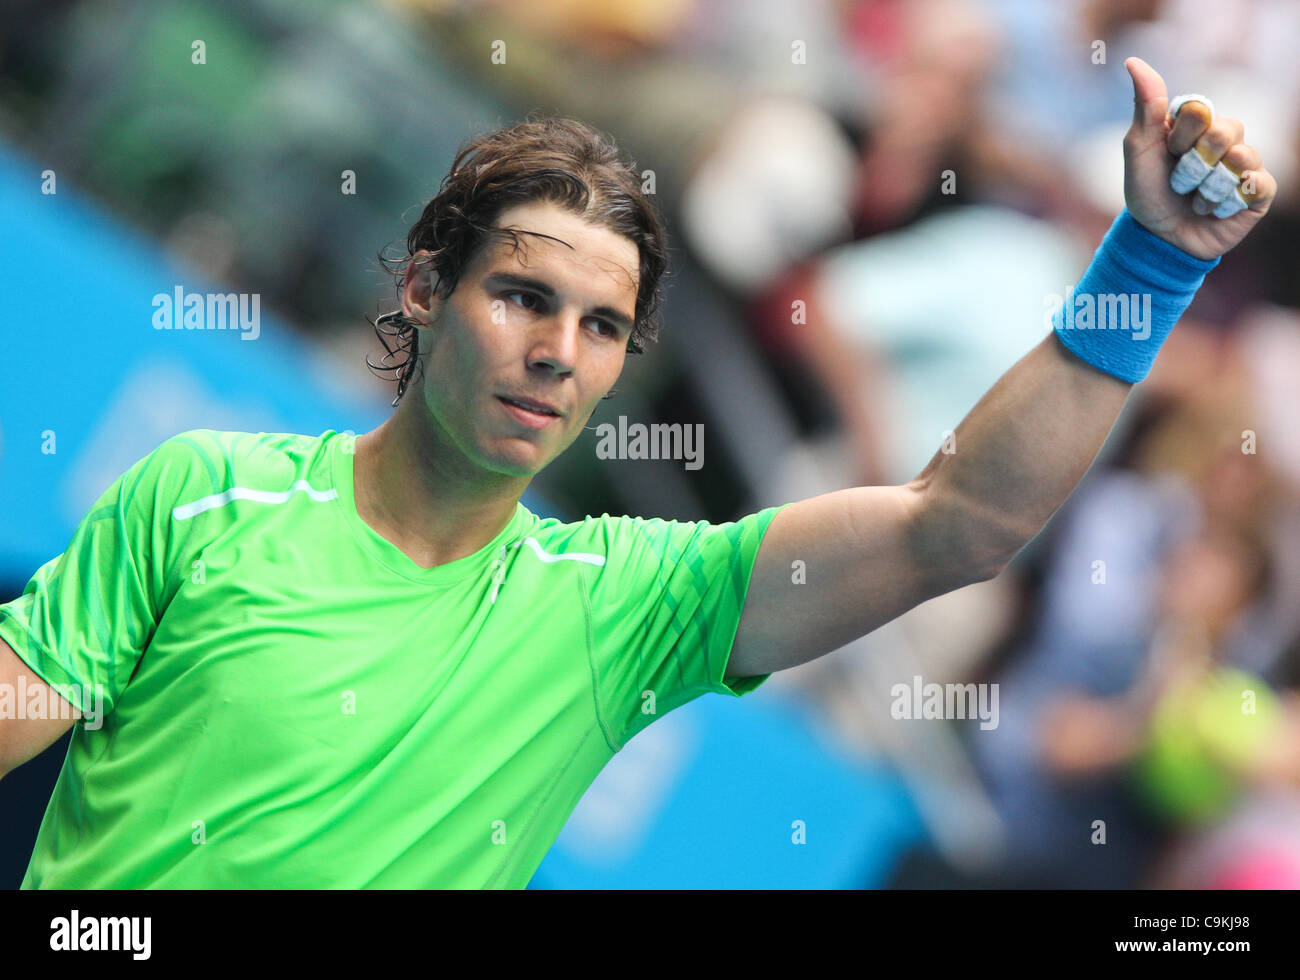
(1017, 455)
(1015, 458)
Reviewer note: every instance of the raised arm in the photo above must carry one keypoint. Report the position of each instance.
(871, 553)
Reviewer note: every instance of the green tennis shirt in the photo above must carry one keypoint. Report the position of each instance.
(289, 701)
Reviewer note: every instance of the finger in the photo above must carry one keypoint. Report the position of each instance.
(1150, 97)
(1226, 176)
(1200, 163)
(1256, 191)
(1242, 157)
(1222, 134)
(1216, 180)
(1258, 187)
(1194, 118)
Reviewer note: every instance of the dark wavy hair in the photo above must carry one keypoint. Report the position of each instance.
(557, 160)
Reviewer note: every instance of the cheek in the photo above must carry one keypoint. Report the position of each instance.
(445, 392)
(456, 366)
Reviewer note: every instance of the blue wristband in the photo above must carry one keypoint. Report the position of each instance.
(1128, 300)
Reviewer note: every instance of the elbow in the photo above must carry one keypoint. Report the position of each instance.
(963, 546)
(973, 568)
(992, 560)
(991, 570)
(1008, 547)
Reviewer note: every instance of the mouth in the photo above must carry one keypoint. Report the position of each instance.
(534, 414)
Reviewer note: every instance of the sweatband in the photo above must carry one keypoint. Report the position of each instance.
(1131, 295)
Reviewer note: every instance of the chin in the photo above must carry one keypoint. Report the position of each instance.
(526, 463)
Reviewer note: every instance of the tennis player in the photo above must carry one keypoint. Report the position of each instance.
(324, 662)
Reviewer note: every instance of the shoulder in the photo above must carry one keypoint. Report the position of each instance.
(222, 453)
(197, 463)
(224, 447)
(625, 544)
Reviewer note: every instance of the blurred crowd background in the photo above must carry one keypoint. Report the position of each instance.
(920, 177)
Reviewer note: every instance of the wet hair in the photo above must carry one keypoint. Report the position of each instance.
(549, 159)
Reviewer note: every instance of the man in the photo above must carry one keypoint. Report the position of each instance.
(308, 662)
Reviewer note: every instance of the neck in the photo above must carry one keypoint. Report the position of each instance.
(415, 488)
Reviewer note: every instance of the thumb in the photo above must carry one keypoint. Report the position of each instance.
(1150, 97)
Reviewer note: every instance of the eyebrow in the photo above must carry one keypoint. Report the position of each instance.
(513, 279)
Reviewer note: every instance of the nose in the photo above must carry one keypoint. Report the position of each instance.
(556, 344)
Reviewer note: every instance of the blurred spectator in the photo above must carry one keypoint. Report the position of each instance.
(906, 331)
(1204, 739)
(1166, 564)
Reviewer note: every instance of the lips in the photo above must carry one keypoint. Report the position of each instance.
(532, 418)
(531, 405)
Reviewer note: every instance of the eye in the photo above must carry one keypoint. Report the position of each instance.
(531, 296)
(605, 328)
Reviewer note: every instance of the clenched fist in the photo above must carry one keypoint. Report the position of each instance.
(1152, 146)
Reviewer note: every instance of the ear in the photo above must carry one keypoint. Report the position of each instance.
(420, 301)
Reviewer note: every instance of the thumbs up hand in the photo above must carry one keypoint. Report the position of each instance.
(1198, 150)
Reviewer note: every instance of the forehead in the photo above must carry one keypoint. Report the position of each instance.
(588, 258)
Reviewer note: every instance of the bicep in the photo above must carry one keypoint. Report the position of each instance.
(22, 738)
(833, 568)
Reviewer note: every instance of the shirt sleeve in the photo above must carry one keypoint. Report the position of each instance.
(86, 616)
(666, 607)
